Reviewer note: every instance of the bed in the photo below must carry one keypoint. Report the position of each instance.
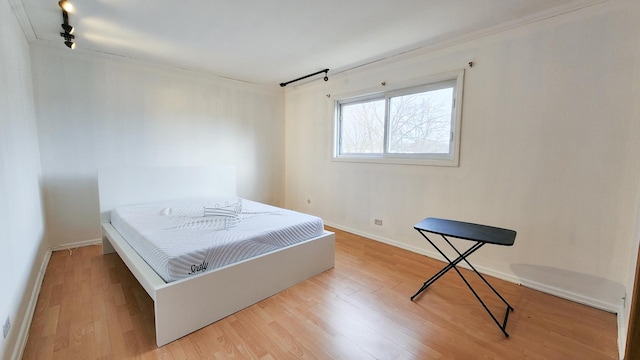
(187, 304)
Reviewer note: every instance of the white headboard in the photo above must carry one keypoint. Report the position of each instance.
(120, 186)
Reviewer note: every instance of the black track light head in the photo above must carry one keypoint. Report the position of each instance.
(67, 28)
(68, 37)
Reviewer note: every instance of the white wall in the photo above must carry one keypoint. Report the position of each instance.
(98, 112)
(22, 242)
(549, 148)
(624, 317)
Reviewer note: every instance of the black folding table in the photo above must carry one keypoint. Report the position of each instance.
(482, 235)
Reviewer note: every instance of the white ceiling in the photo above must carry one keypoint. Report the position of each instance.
(274, 41)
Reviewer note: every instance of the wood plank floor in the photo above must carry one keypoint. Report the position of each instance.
(91, 307)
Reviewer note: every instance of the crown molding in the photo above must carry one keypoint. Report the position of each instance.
(23, 19)
(452, 40)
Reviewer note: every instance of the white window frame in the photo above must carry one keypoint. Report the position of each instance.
(418, 85)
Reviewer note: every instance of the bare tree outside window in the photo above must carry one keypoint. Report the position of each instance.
(363, 128)
(421, 123)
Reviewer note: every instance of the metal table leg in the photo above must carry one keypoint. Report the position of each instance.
(452, 265)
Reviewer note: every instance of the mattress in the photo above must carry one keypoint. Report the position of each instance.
(179, 239)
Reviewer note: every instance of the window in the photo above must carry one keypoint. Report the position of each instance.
(411, 125)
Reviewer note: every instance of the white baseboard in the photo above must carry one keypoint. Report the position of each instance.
(25, 325)
(568, 295)
(75, 245)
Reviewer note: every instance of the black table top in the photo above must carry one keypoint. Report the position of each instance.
(467, 231)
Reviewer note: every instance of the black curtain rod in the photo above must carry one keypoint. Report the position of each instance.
(326, 78)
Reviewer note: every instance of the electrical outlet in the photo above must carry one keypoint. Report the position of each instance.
(6, 327)
(377, 222)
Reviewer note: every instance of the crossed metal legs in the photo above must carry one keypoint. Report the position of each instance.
(452, 265)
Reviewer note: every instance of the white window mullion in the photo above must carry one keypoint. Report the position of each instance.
(386, 125)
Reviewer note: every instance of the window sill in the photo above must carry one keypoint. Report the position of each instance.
(397, 160)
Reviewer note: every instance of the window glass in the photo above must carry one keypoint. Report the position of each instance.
(363, 127)
(418, 124)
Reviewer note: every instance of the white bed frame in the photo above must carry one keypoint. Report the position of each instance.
(186, 305)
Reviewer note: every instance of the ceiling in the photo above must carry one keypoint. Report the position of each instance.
(274, 41)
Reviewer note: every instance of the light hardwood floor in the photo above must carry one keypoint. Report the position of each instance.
(91, 307)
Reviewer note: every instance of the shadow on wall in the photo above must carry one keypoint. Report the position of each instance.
(587, 289)
(71, 208)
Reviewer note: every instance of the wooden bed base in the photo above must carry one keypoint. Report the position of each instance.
(186, 305)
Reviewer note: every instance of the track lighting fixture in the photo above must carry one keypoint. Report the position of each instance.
(68, 29)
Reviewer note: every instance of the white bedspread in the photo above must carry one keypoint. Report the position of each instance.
(177, 240)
